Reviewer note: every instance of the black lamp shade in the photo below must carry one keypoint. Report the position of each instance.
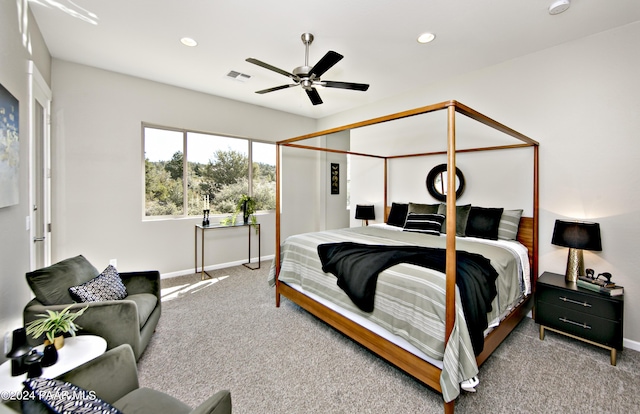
(577, 235)
(365, 212)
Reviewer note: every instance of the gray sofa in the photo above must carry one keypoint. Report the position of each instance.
(131, 320)
(113, 377)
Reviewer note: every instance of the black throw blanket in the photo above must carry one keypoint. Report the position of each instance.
(357, 267)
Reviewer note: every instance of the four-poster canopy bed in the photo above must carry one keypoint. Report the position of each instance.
(436, 375)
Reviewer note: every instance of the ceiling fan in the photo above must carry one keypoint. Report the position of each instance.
(309, 77)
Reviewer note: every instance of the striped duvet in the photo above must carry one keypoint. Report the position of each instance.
(409, 301)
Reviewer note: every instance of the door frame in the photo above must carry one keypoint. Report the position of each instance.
(39, 93)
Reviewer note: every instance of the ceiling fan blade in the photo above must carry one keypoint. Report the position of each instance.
(314, 96)
(268, 66)
(276, 88)
(345, 85)
(327, 61)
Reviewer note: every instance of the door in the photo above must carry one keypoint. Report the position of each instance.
(40, 170)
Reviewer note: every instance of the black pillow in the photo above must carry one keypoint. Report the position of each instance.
(484, 222)
(424, 223)
(398, 214)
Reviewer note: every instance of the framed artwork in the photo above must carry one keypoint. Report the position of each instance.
(335, 178)
(9, 149)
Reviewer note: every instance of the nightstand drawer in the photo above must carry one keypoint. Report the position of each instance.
(599, 306)
(603, 331)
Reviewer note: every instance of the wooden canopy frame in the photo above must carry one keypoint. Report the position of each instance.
(528, 235)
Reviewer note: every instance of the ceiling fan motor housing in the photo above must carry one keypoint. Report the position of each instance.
(302, 71)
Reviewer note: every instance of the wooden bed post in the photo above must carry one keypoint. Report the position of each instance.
(386, 184)
(450, 293)
(450, 299)
(536, 205)
(278, 176)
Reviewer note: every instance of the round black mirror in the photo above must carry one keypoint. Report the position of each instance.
(437, 182)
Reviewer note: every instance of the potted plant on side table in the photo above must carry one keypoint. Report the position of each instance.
(247, 205)
(54, 324)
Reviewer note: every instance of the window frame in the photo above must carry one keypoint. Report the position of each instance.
(185, 163)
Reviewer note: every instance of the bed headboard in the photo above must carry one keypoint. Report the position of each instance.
(525, 233)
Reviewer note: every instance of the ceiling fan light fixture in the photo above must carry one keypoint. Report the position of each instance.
(187, 41)
(426, 38)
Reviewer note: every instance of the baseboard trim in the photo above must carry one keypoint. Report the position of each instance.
(265, 260)
(628, 343)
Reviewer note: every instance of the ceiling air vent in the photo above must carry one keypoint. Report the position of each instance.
(238, 76)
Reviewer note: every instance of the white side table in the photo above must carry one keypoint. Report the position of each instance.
(76, 351)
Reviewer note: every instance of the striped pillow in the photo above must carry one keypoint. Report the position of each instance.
(509, 223)
(424, 223)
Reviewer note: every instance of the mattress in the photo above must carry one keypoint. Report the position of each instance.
(409, 306)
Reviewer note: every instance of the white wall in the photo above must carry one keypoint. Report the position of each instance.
(14, 237)
(580, 101)
(336, 213)
(97, 168)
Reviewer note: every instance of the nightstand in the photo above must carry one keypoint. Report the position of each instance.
(579, 313)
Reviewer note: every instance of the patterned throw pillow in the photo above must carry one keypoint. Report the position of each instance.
(63, 397)
(424, 223)
(106, 286)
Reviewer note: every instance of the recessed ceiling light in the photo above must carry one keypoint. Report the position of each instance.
(187, 41)
(426, 37)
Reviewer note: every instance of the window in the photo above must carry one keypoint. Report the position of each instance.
(216, 167)
(264, 175)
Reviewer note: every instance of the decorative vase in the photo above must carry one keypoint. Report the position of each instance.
(58, 342)
(50, 355)
(245, 216)
(19, 351)
(33, 362)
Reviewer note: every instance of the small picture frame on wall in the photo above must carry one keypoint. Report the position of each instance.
(335, 178)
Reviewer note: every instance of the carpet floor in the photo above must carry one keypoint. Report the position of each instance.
(226, 333)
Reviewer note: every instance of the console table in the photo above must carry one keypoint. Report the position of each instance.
(219, 227)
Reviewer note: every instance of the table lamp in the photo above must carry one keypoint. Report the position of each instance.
(365, 213)
(577, 236)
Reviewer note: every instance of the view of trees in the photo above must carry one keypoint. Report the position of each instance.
(224, 179)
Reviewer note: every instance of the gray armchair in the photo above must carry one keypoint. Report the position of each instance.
(131, 320)
(113, 377)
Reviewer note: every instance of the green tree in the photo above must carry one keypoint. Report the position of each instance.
(175, 167)
(163, 194)
(226, 167)
(224, 178)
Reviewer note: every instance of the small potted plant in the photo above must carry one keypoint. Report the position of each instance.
(54, 324)
(247, 205)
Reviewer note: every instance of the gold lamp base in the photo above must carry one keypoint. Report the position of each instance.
(575, 265)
